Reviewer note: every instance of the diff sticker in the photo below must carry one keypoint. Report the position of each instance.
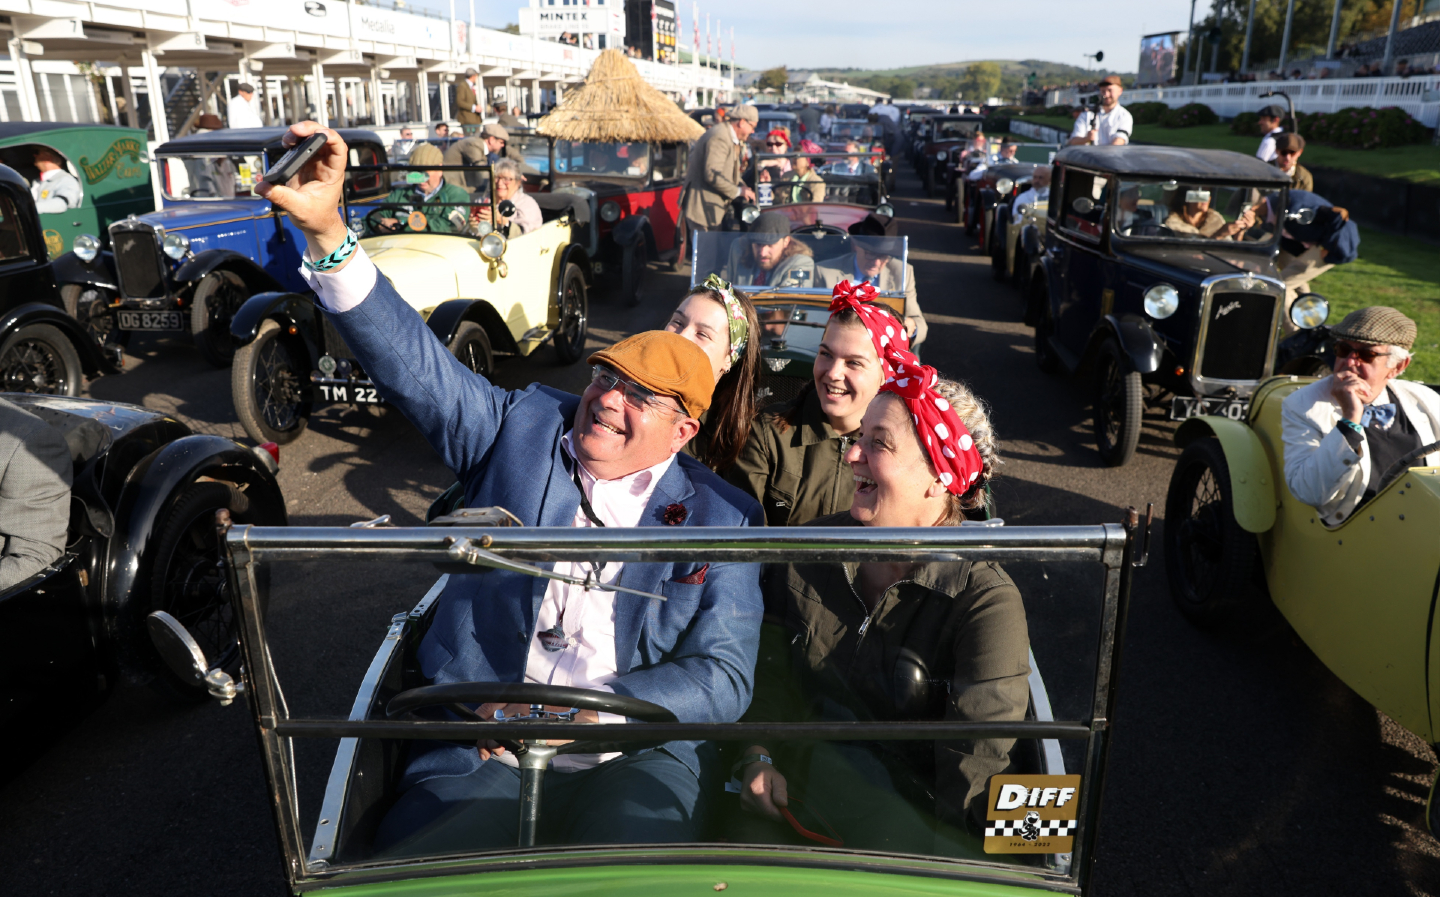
(1032, 814)
(54, 243)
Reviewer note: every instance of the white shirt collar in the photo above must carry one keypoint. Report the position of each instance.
(637, 485)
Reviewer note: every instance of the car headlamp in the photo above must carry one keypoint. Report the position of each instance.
(1004, 186)
(86, 248)
(176, 246)
(885, 209)
(1310, 311)
(492, 246)
(749, 214)
(940, 155)
(609, 211)
(1161, 301)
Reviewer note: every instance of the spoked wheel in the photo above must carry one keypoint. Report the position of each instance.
(632, 273)
(471, 347)
(188, 579)
(39, 358)
(91, 306)
(1209, 558)
(574, 316)
(217, 298)
(1118, 405)
(268, 388)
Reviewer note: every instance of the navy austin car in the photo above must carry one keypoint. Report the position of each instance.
(190, 265)
(1158, 278)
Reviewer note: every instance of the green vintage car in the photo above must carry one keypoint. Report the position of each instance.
(1233, 531)
(334, 748)
(111, 164)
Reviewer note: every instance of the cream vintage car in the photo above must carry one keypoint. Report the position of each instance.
(485, 290)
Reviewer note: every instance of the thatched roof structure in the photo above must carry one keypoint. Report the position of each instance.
(615, 105)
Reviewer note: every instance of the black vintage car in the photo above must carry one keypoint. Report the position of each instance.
(190, 265)
(1158, 279)
(939, 140)
(997, 186)
(142, 537)
(42, 348)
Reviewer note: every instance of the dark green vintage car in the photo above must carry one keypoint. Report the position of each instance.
(110, 163)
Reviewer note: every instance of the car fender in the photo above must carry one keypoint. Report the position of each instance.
(1252, 483)
(1030, 240)
(630, 230)
(98, 272)
(92, 361)
(1139, 341)
(449, 315)
(202, 263)
(150, 491)
(288, 308)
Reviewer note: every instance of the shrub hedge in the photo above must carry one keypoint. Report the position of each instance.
(1188, 116)
(1148, 113)
(1363, 128)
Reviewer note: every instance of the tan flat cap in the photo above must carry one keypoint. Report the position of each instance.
(746, 112)
(1378, 325)
(667, 364)
(495, 130)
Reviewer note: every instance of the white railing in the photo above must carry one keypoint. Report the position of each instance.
(1419, 96)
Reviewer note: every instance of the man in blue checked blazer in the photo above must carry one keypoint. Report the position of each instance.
(609, 457)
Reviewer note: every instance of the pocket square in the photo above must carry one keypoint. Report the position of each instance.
(695, 579)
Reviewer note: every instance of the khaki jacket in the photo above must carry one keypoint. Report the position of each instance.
(831, 271)
(949, 642)
(465, 101)
(712, 176)
(799, 474)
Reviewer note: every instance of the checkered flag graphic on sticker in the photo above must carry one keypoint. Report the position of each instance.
(1016, 828)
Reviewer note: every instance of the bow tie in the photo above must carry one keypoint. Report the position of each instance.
(1382, 415)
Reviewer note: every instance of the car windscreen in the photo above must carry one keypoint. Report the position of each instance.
(450, 200)
(625, 159)
(955, 130)
(804, 263)
(798, 178)
(853, 130)
(1195, 211)
(944, 716)
(210, 176)
(534, 152)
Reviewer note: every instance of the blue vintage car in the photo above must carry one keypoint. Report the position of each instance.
(213, 244)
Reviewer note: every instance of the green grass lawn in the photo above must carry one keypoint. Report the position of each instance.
(1394, 271)
(1418, 163)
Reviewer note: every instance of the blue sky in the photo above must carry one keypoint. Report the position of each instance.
(895, 33)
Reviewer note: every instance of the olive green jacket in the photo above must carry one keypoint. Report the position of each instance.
(950, 642)
(798, 474)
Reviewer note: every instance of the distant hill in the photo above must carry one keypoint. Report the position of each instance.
(944, 76)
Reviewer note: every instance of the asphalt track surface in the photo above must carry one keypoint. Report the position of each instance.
(1240, 764)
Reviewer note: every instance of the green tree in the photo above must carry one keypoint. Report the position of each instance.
(980, 81)
(776, 79)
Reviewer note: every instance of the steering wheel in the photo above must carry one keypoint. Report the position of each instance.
(1400, 465)
(398, 212)
(455, 695)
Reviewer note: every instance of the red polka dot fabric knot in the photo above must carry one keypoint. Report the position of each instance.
(946, 440)
(885, 331)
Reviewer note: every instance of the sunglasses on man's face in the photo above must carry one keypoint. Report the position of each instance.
(636, 396)
(1366, 355)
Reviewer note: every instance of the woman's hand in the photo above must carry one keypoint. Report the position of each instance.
(763, 789)
(489, 748)
(312, 198)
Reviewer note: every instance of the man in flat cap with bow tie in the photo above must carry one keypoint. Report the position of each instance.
(1344, 431)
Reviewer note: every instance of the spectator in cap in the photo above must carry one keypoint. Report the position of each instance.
(1113, 126)
(712, 177)
(496, 138)
(469, 107)
(240, 110)
(875, 259)
(608, 457)
(1270, 118)
(442, 207)
(507, 119)
(1343, 432)
(1288, 148)
(769, 257)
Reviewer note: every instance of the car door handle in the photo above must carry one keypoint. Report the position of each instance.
(77, 224)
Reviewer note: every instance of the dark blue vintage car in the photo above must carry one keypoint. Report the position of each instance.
(214, 244)
(1158, 279)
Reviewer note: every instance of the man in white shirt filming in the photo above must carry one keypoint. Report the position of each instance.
(1113, 126)
(240, 111)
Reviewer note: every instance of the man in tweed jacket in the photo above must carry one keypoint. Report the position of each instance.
(34, 494)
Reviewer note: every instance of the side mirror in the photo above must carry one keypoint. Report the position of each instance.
(182, 654)
(1302, 216)
(1084, 205)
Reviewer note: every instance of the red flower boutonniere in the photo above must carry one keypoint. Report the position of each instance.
(675, 515)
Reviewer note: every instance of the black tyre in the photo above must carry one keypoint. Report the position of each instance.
(471, 346)
(91, 306)
(218, 296)
(1045, 356)
(40, 358)
(574, 315)
(268, 386)
(1118, 405)
(929, 181)
(188, 579)
(997, 256)
(1019, 271)
(949, 201)
(1209, 558)
(632, 273)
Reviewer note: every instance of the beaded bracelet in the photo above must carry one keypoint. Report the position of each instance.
(336, 258)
